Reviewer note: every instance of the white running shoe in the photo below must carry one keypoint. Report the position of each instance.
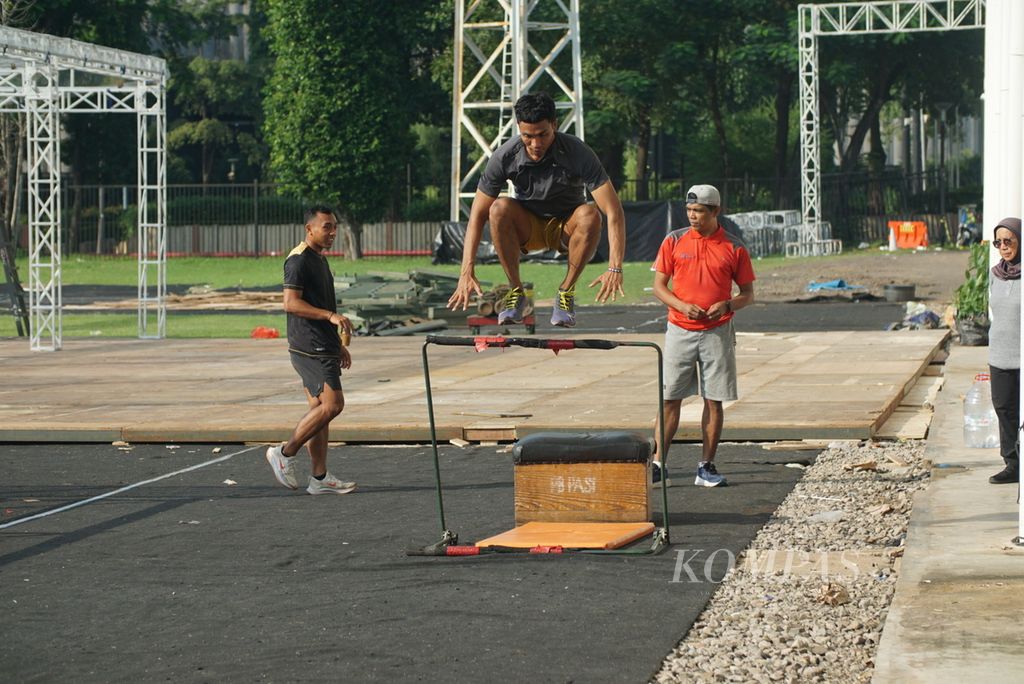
(283, 467)
(329, 485)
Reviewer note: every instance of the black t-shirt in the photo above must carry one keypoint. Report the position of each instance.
(552, 186)
(308, 272)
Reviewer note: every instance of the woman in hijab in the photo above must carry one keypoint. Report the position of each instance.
(1004, 346)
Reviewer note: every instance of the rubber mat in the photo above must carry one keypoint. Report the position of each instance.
(571, 535)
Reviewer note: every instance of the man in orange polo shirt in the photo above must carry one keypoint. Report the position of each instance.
(702, 262)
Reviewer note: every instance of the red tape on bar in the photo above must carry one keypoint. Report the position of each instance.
(558, 345)
(462, 551)
(481, 343)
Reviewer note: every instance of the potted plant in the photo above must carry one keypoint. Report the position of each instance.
(971, 299)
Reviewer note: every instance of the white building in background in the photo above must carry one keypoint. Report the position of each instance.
(234, 46)
(916, 141)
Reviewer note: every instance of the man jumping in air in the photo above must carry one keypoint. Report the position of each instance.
(549, 171)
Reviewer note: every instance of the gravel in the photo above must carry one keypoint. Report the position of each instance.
(807, 600)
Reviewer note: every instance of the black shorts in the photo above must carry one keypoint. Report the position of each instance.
(316, 371)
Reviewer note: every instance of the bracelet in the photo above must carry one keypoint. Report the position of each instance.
(615, 270)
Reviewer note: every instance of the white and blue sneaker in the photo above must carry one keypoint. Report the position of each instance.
(707, 475)
(658, 474)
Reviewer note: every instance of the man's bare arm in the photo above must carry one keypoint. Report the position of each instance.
(611, 280)
(468, 283)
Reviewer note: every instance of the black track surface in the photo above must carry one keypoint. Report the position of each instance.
(192, 579)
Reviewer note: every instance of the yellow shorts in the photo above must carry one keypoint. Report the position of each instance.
(545, 234)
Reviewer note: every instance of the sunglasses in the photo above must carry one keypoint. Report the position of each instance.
(1005, 241)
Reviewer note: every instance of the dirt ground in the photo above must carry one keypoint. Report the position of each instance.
(934, 273)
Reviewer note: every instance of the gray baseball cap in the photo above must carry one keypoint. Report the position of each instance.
(704, 194)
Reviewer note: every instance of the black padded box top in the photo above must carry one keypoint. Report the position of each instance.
(583, 447)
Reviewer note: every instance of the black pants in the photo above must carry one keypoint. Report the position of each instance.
(1006, 400)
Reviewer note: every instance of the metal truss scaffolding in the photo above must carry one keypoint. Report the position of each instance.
(847, 19)
(42, 77)
(512, 47)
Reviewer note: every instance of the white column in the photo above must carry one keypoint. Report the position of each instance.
(1015, 171)
(456, 167)
(152, 210)
(1002, 109)
(1013, 92)
(577, 66)
(810, 153)
(44, 234)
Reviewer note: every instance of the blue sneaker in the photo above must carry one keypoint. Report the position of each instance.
(658, 474)
(564, 313)
(513, 307)
(707, 476)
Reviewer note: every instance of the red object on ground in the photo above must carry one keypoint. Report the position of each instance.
(263, 333)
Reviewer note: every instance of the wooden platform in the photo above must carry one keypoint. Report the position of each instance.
(830, 385)
(577, 535)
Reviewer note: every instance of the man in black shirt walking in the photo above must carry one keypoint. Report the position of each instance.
(316, 351)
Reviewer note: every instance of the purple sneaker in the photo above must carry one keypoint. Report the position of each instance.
(513, 307)
(564, 313)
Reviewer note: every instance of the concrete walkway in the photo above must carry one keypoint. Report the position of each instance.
(958, 611)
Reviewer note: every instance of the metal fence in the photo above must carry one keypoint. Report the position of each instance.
(251, 219)
(224, 219)
(379, 239)
(858, 205)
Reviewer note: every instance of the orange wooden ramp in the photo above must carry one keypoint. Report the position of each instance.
(571, 535)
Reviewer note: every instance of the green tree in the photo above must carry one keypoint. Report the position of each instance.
(100, 147)
(767, 55)
(161, 27)
(337, 108)
(635, 54)
(214, 95)
(14, 13)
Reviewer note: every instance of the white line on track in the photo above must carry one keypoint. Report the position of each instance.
(123, 489)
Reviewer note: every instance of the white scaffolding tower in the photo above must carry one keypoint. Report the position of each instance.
(42, 77)
(848, 19)
(510, 33)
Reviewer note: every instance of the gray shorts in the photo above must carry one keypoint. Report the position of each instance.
(316, 371)
(700, 362)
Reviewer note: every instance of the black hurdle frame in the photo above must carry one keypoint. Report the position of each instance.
(448, 545)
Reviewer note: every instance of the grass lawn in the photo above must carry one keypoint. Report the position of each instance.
(252, 272)
(178, 324)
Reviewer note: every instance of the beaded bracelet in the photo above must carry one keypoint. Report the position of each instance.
(615, 270)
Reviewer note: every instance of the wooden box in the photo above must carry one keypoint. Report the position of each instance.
(582, 478)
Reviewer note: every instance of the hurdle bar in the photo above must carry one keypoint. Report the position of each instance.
(482, 343)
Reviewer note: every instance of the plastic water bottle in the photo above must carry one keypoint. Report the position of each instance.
(981, 427)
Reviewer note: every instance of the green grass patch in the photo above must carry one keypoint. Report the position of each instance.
(250, 272)
(181, 325)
